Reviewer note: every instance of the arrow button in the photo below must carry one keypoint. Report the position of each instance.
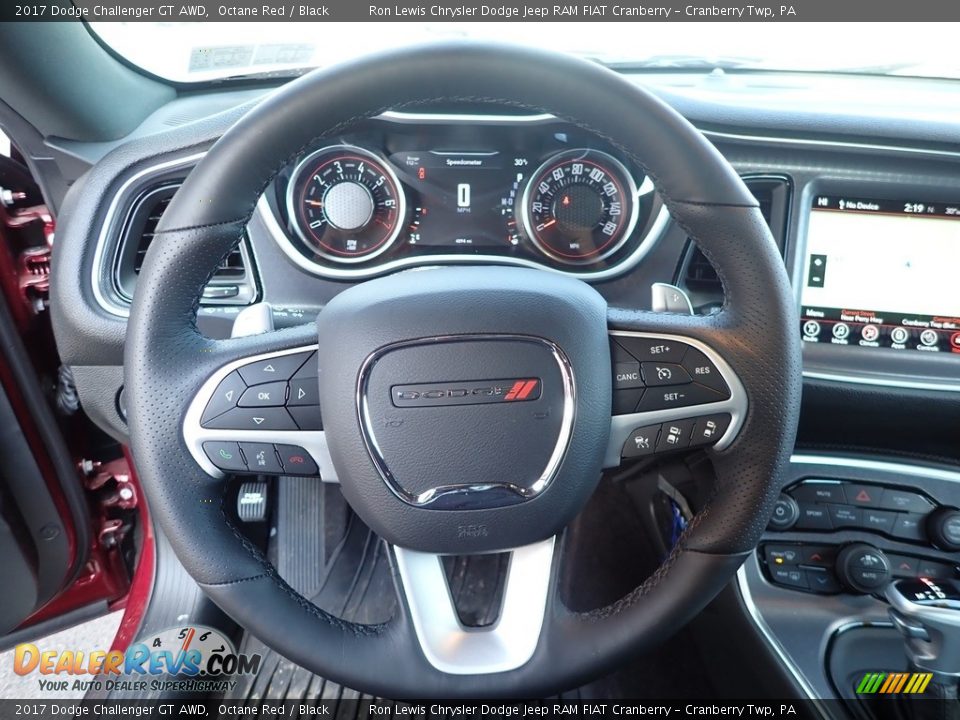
(224, 397)
(304, 391)
(262, 418)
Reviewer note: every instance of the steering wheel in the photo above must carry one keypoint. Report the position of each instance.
(427, 450)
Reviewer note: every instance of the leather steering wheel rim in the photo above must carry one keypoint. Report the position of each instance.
(167, 360)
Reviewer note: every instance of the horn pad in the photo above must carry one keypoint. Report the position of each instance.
(466, 409)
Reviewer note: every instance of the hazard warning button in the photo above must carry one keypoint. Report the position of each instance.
(864, 495)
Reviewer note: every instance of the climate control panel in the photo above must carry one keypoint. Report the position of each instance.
(881, 532)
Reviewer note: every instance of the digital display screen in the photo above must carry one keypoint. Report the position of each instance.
(462, 199)
(882, 273)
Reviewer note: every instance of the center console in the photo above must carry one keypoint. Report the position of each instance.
(843, 530)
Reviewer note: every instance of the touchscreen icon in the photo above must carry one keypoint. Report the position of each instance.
(929, 337)
(870, 333)
(899, 335)
(841, 331)
(811, 328)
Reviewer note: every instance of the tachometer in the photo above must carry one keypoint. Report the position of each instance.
(580, 206)
(346, 203)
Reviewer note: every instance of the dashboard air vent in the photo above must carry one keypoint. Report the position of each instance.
(697, 275)
(233, 283)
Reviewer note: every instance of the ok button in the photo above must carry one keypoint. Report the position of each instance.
(267, 395)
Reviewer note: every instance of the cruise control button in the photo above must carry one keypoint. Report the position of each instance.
(225, 455)
(261, 457)
(909, 526)
(677, 396)
(224, 398)
(708, 429)
(273, 369)
(791, 577)
(642, 441)
(703, 371)
(674, 435)
(904, 501)
(644, 349)
(878, 520)
(656, 374)
(814, 517)
(266, 395)
(296, 460)
(254, 419)
(626, 375)
(625, 401)
(307, 418)
(303, 391)
(819, 492)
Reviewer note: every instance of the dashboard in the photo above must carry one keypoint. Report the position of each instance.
(403, 190)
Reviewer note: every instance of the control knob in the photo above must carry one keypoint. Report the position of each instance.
(863, 568)
(943, 528)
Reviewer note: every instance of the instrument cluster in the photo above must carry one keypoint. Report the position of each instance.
(402, 190)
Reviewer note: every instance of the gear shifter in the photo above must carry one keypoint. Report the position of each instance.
(927, 614)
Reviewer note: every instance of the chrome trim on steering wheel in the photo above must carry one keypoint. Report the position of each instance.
(507, 644)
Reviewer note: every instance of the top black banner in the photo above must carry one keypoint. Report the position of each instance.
(477, 11)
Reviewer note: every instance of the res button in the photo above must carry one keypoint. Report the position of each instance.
(703, 371)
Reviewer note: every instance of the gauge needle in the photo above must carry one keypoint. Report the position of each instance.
(548, 224)
(316, 203)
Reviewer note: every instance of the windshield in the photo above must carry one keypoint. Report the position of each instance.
(193, 52)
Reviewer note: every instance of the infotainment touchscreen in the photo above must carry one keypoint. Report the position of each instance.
(882, 273)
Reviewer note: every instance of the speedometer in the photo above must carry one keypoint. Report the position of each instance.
(345, 203)
(580, 206)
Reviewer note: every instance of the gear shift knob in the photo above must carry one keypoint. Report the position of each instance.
(927, 614)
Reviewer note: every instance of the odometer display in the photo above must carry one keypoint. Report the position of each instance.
(580, 206)
(346, 203)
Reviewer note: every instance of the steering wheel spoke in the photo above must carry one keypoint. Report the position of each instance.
(671, 392)
(509, 642)
(258, 413)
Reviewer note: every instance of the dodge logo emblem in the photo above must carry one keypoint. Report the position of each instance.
(474, 392)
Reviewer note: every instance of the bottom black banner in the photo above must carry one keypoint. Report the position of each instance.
(368, 709)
